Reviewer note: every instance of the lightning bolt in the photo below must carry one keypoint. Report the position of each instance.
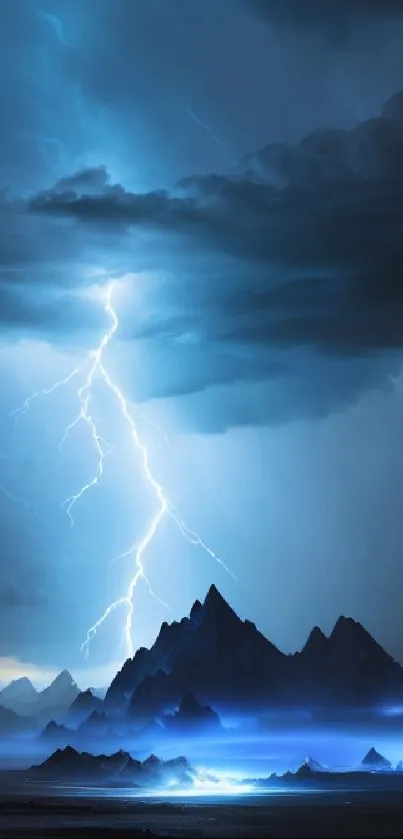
(47, 391)
(94, 360)
(84, 396)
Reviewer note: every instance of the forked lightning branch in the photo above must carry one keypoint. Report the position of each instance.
(92, 367)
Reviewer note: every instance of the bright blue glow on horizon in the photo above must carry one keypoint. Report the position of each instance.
(392, 711)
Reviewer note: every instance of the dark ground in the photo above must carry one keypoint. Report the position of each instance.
(349, 815)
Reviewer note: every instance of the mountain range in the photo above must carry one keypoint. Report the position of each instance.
(21, 696)
(99, 726)
(223, 661)
(119, 768)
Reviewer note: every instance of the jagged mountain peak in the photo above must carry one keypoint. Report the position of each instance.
(62, 683)
(192, 712)
(349, 636)
(52, 725)
(375, 760)
(85, 697)
(55, 731)
(197, 606)
(96, 720)
(347, 626)
(23, 682)
(68, 763)
(206, 620)
(223, 660)
(348, 640)
(313, 765)
(213, 652)
(215, 606)
(316, 641)
(214, 596)
(61, 692)
(68, 753)
(63, 678)
(83, 704)
(19, 688)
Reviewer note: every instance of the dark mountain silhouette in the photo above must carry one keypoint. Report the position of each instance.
(373, 760)
(349, 668)
(226, 661)
(70, 763)
(316, 643)
(96, 723)
(56, 734)
(212, 653)
(82, 706)
(18, 695)
(320, 778)
(192, 715)
(120, 767)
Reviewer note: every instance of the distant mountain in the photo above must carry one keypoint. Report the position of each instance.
(57, 734)
(72, 765)
(308, 769)
(226, 661)
(192, 715)
(310, 765)
(83, 705)
(12, 724)
(375, 761)
(59, 694)
(18, 695)
(96, 723)
(311, 769)
(307, 773)
(54, 701)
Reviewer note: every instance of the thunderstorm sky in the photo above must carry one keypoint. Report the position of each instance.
(235, 168)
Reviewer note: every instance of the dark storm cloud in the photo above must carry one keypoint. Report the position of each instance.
(87, 179)
(324, 13)
(41, 311)
(315, 231)
(41, 265)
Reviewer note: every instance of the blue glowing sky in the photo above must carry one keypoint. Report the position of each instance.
(258, 290)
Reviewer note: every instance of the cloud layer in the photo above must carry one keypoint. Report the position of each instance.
(294, 259)
(332, 13)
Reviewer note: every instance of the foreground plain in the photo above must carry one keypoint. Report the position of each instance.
(354, 815)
